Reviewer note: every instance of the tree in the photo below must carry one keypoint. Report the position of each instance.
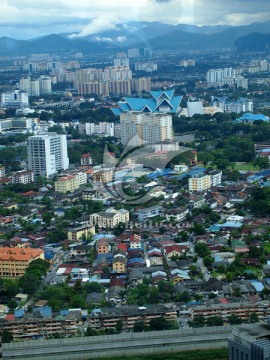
(158, 324)
(202, 249)
(119, 326)
(198, 321)
(12, 304)
(261, 162)
(198, 229)
(139, 326)
(208, 261)
(6, 336)
(234, 319)
(119, 229)
(253, 318)
(214, 321)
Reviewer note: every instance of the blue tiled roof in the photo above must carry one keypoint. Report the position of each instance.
(253, 117)
(159, 98)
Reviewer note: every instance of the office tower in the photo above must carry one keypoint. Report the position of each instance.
(150, 128)
(47, 154)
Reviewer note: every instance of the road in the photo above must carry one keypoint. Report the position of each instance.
(117, 344)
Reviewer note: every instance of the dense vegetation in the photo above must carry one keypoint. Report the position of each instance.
(211, 354)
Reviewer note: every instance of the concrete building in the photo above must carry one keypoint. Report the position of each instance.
(86, 160)
(15, 98)
(199, 183)
(145, 66)
(77, 233)
(150, 128)
(108, 318)
(47, 154)
(2, 171)
(14, 261)
(250, 342)
(103, 176)
(101, 128)
(216, 177)
(45, 84)
(238, 106)
(67, 184)
(23, 177)
(109, 218)
(141, 84)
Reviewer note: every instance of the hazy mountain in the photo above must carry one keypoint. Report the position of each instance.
(135, 32)
(50, 43)
(178, 39)
(253, 42)
(155, 35)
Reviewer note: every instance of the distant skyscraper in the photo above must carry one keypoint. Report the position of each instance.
(47, 154)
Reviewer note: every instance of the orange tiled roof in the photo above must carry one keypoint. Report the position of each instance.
(19, 254)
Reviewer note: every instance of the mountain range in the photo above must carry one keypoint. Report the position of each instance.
(155, 35)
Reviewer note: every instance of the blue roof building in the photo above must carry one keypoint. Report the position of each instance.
(162, 101)
(250, 118)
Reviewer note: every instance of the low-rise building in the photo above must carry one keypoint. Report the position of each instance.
(80, 232)
(200, 182)
(103, 176)
(109, 218)
(23, 177)
(67, 183)
(14, 261)
(86, 159)
(107, 318)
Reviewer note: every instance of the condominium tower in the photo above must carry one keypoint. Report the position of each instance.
(138, 128)
(47, 154)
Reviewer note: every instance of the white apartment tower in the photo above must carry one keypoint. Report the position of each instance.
(149, 128)
(45, 84)
(47, 154)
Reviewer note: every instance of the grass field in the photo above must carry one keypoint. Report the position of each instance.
(266, 246)
(245, 167)
(213, 354)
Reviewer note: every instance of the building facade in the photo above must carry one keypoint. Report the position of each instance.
(23, 177)
(47, 154)
(150, 128)
(14, 261)
(109, 218)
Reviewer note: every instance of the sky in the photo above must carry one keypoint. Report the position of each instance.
(24, 19)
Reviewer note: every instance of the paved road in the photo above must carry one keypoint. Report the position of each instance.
(94, 346)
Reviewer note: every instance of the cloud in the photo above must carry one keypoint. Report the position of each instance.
(102, 23)
(34, 18)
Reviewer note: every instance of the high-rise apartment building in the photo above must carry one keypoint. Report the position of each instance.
(138, 128)
(47, 154)
(45, 84)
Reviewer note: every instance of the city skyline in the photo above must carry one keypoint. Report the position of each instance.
(30, 19)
